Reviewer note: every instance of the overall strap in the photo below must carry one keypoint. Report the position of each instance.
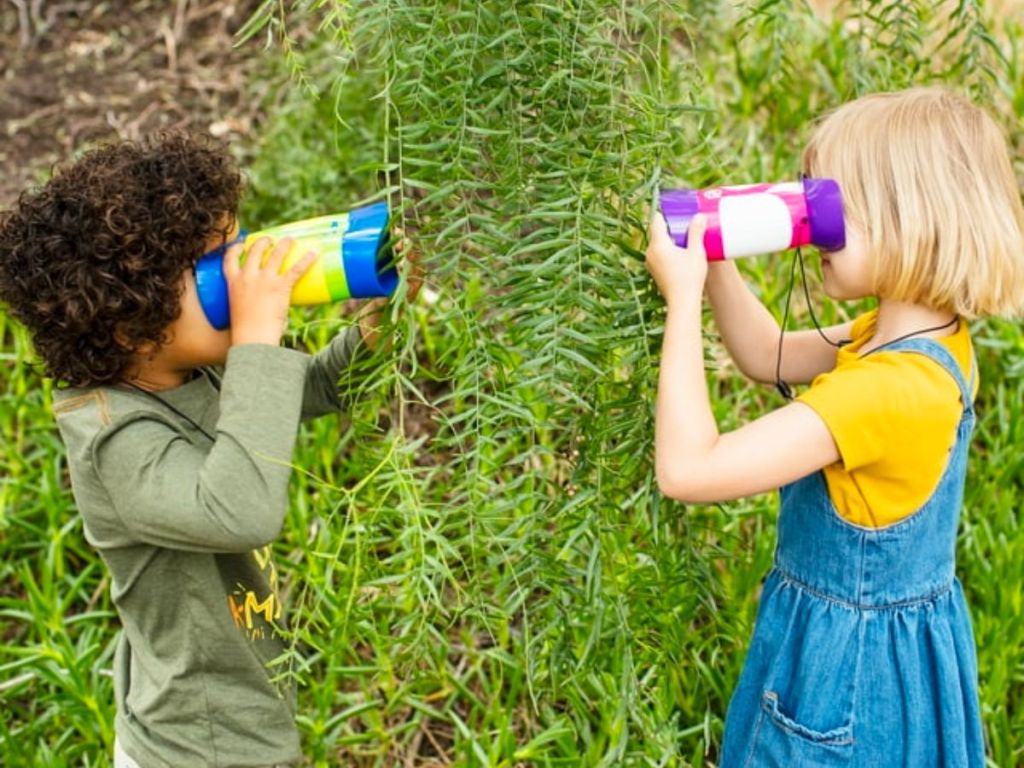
(937, 352)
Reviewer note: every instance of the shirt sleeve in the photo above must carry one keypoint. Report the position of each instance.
(320, 393)
(881, 401)
(230, 496)
(826, 396)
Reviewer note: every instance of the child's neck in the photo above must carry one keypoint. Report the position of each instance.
(155, 375)
(896, 319)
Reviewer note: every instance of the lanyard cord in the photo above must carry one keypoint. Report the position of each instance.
(784, 389)
(185, 416)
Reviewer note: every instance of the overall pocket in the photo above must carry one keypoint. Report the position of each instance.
(782, 742)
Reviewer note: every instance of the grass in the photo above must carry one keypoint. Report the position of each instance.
(479, 568)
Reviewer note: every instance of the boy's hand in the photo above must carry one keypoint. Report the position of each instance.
(678, 272)
(413, 268)
(258, 295)
(370, 316)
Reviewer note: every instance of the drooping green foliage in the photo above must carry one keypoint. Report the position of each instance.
(521, 144)
(479, 566)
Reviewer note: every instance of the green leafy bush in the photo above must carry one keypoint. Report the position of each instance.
(480, 568)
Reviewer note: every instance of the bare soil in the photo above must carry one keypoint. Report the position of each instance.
(76, 73)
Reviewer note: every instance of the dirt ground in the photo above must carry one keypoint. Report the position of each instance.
(77, 72)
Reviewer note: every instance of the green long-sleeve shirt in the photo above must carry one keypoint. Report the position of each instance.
(185, 526)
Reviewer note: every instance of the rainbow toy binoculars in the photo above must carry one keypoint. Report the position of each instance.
(353, 261)
(759, 218)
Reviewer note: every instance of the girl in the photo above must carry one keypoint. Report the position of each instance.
(862, 653)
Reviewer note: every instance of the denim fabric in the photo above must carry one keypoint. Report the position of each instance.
(863, 654)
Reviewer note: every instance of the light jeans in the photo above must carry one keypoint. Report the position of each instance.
(121, 759)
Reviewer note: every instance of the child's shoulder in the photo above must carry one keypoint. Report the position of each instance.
(922, 368)
(87, 414)
(84, 415)
(86, 403)
(905, 390)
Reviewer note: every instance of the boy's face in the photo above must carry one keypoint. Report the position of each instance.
(193, 341)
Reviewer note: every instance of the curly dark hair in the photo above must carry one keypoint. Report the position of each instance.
(92, 261)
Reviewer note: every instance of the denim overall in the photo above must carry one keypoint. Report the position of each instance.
(863, 653)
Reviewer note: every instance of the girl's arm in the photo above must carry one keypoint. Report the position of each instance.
(751, 334)
(693, 461)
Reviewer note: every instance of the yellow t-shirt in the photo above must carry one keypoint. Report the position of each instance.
(893, 416)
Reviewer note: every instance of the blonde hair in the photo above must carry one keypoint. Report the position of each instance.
(927, 177)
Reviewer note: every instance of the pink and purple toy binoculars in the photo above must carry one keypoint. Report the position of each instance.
(759, 218)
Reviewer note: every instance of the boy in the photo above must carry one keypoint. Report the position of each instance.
(179, 436)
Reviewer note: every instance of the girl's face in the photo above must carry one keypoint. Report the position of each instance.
(847, 273)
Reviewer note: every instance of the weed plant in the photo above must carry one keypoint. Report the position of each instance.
(479, 566)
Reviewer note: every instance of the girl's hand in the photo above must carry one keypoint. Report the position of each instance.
(258, 295)
(678, 272)
(370, 316)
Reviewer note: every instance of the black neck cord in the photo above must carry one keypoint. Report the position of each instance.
(810, 306)
(784, 389)
(780, 385)
(185, 416)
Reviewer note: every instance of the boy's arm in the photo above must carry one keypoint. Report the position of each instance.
(320, 390)
(751, 334)
(321, 394)
(230, 496)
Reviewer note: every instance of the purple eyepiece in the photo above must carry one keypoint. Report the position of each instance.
(825, 213)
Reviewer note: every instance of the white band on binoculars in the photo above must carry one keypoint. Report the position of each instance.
(751, 224)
